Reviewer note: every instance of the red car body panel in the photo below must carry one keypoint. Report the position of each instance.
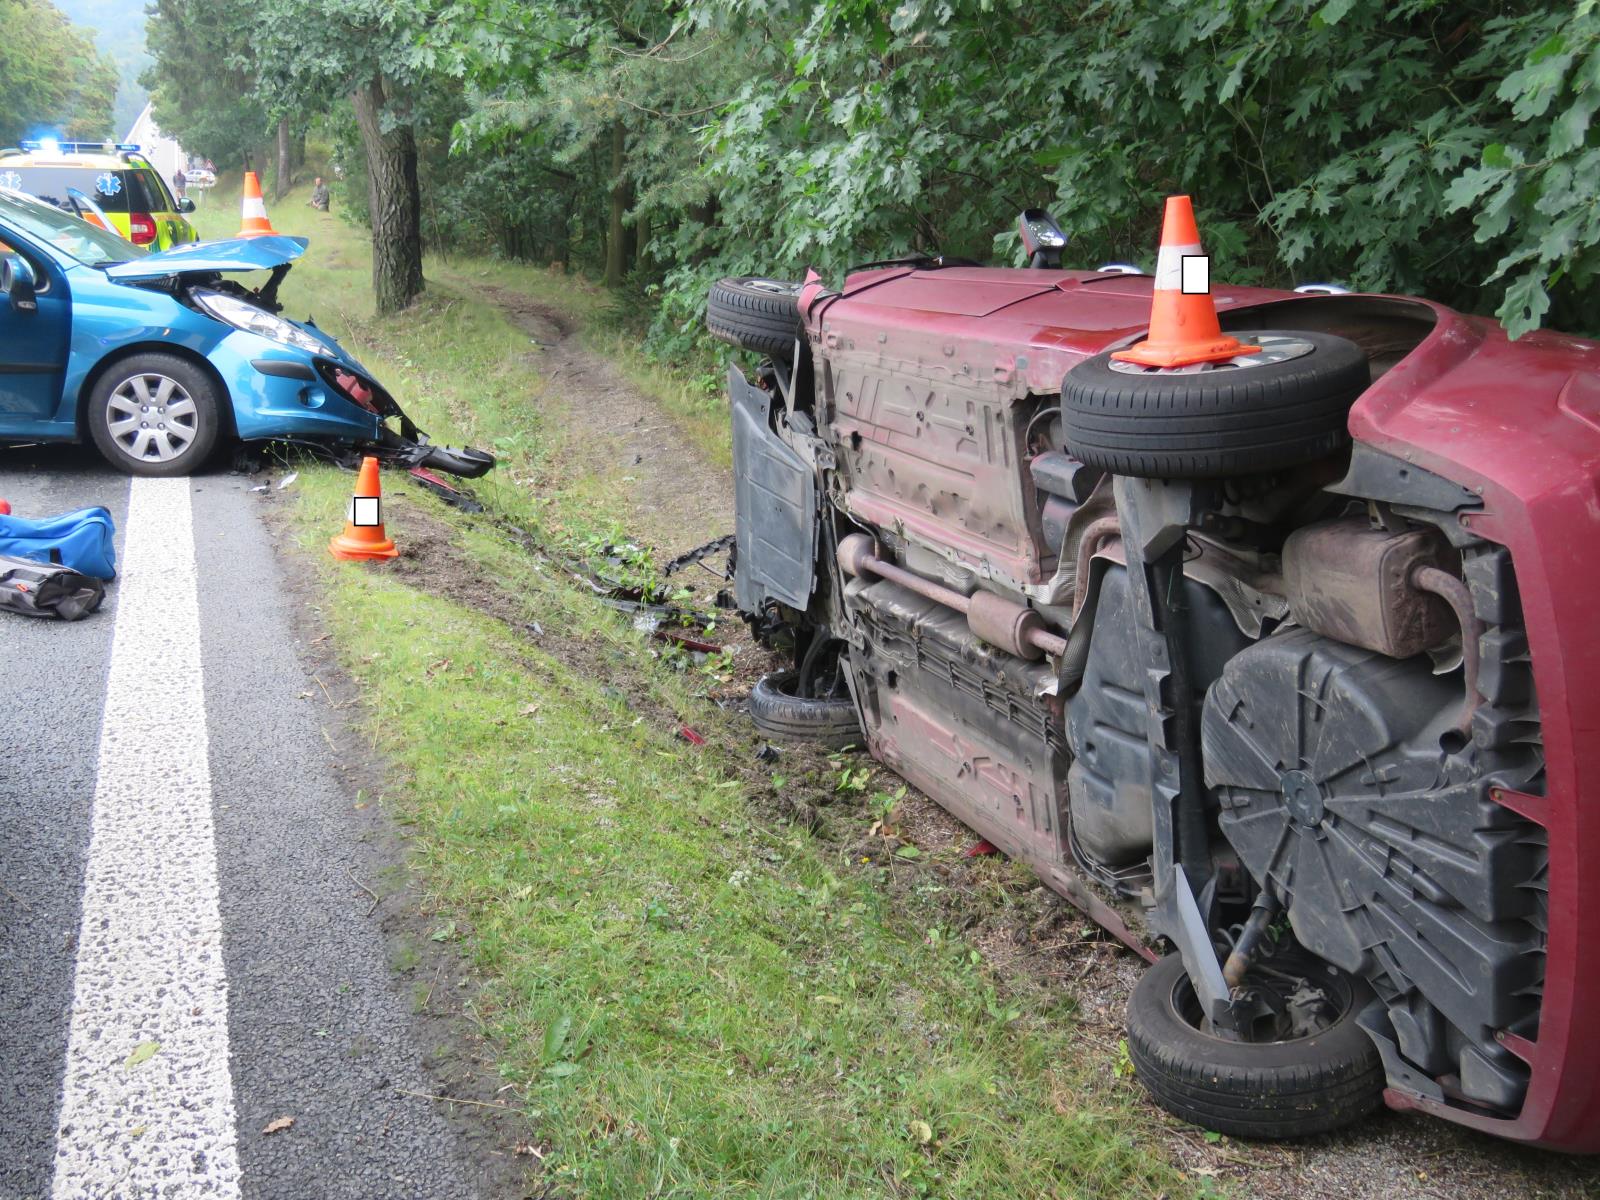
(1516, 422)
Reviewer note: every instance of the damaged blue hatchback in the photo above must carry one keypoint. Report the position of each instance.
(159, 358)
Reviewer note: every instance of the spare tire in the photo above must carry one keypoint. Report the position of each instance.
(755, 313)
(1282, 408)
(781, 714)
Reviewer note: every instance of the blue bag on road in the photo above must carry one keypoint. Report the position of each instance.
(80, 541)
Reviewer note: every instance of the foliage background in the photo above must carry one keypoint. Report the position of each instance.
(52, 79)
(1413, 145)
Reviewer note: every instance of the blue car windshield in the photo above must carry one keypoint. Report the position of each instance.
(87, 243)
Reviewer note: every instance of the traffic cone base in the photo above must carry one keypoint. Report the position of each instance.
(363, 539)
(1183, 326)
(255, 222)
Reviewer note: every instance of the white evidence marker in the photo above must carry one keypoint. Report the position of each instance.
(1196, 275)
(364, 511)
(147, 1099)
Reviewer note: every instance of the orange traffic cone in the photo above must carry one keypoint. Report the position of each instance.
(363, 535)
(255, 210)
(1183, 320)
(5, 509)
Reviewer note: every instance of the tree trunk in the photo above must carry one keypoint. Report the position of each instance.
(641, 242)
(617, 228)
(282, 176)
(564, 235)
(393, 199)
(704, 215)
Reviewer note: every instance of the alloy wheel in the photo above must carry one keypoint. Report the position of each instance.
(151, 418)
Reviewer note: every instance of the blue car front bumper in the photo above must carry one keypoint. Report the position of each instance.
(284, 394)
(278, 393)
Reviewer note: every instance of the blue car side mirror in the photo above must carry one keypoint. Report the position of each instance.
(18, 282)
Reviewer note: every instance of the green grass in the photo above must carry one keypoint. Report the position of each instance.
(692, 998)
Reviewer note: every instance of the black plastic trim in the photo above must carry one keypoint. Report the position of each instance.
(283, 368)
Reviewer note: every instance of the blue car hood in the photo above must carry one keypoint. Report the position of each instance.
(233, 254)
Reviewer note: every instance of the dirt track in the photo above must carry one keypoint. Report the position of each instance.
(610, 432)
(678, 499)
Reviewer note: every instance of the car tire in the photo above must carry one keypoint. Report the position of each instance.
(1275, 1090)
(167, 443)
(755, 313)
(1213, 424)
(782, 715)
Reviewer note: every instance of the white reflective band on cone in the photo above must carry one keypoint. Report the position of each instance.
(255, 206)
(1169, 266)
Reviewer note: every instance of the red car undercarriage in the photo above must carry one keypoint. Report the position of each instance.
(1297, 695)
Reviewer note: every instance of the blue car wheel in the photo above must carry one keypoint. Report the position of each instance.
(155, 414)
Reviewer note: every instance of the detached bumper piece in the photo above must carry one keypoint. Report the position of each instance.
(415, 451)
(410, 447)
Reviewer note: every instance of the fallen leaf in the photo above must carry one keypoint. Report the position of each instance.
(555, 1036)
(922, 1131)
(142, 1053)
(279, 1125)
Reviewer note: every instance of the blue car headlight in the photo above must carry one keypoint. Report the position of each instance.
(246, 316)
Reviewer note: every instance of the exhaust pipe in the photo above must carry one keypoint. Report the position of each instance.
(1012, 627)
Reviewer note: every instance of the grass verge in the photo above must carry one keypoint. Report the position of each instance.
(691, 996)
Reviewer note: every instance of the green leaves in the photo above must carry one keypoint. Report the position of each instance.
(1525, 304)
(1359, 140)
(51, 76)
(142, 1053)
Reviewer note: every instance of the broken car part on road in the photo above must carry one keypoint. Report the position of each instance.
(1270, 659)
(156, 358)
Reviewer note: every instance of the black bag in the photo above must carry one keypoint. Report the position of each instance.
(41, 589)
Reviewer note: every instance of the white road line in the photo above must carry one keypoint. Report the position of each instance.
(150, 971)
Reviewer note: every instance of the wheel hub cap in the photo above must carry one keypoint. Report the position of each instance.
(152, 418)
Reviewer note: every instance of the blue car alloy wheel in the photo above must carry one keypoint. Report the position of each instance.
(155, 414)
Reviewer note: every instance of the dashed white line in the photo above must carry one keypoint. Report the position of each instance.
(147, 1100)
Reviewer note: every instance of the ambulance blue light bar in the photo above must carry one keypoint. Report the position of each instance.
(51, 146)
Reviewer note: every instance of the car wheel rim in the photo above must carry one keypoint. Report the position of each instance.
(1283, 1005)
(776, 287)
(152, 418)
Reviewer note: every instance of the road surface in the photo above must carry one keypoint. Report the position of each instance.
(186, 958)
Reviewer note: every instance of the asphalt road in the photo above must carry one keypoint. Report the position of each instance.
(185, 956)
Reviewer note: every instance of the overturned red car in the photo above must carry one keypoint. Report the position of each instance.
(1273, 663)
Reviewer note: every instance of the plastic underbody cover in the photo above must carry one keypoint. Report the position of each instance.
(1107, 719)
(775, 510)
(1339, 781)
